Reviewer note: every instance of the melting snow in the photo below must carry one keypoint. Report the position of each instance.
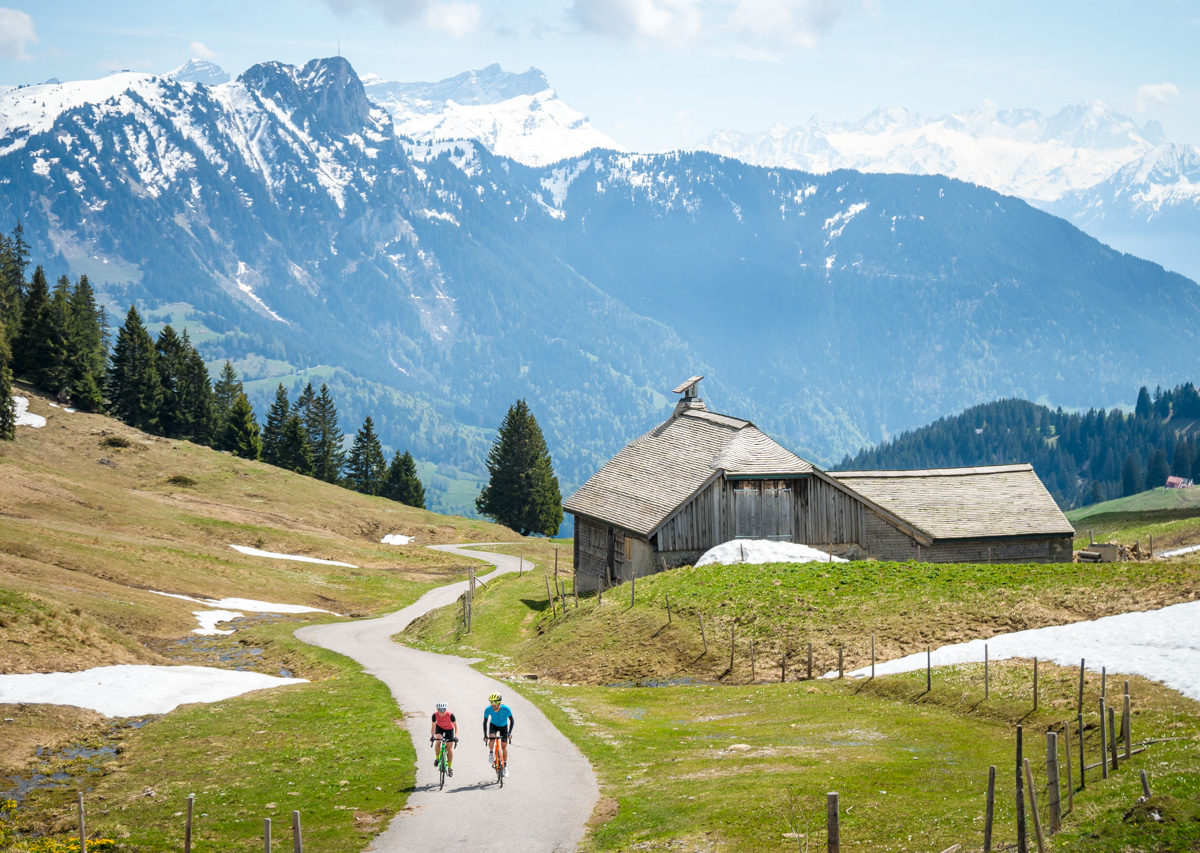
(300, 558)
(1163, 645)
(755, 551)
(132, 690)
(209, 619)
(1178, 551)
(395, 539)
(26, 417)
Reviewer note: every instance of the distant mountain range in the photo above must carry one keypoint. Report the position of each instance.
(1122, 182)
(283, 220)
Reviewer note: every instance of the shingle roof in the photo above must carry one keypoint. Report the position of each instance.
(964, 503)
(640, 487)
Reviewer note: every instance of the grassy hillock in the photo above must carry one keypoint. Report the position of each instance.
(1172, 516)
(692, 755)
(94, 515)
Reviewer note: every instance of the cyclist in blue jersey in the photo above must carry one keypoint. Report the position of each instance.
(498, 721)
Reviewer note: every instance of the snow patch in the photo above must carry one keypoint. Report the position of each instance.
(26, 417)
(1162, 645)
(756, 551)
(396, 539)
(299, 558)
(209, 619)
(1190, 549)
(132, 690)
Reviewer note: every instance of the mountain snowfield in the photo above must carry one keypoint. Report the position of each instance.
(1120, 181)
(282, 220)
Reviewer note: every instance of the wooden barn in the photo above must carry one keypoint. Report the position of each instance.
(703, 478)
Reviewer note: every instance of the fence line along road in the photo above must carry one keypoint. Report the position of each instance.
(551, 789)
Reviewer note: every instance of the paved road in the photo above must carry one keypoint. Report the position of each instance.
(551, 789)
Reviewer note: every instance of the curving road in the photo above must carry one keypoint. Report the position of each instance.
(551, 789)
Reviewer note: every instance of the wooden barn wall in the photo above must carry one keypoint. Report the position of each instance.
(696, 527)
(826, 515)
(593, 542)
(885, 542)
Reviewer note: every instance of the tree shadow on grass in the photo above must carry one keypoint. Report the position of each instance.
(539, 604)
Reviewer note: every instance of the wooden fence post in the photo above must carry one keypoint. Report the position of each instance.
(1070, 784)
(839, 660)
(1112, 735)
(833, 831)
(928, 670)
(1103, 744)
(267, 835)
(667, 595)
(873, 654)
(82, 824)
(297, 841)
(1104, 683)
(753, 674)
(1053, 791)
(703, 636)
(989, 810)
(732, 637)
(1035, 684)
(1125, 721)
(1081, 661)
(1145, 784)
(1082, 754)
(809, 676)
(549, 597)
(187, 829)
(783, 667)
(1037, 820)
(1022, 841)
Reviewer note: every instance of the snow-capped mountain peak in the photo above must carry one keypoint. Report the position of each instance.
(29, 110)
(200, 71)
(513, 115)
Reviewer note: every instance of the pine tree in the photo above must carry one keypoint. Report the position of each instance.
(1181, 463)
(132, 387)
(1157, 470)
(304, 407)
(65, 359)
(294, 451)
(522, 492)
(225, 392)
(1131, 476)
(1144, 407)
(37, 348)
(8, 415)
(365, 466)
(198, 413)
(402, 483)
(241, 435)
(87, 344)
(170, 359)
(326, 437)
(272, 435)
(14, 260)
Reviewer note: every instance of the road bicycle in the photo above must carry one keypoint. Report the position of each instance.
(497, 757)
(441, 759)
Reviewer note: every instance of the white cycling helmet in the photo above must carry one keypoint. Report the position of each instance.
(441, 706)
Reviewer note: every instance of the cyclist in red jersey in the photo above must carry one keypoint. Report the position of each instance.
(443, 723)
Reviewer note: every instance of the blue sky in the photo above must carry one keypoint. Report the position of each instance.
(657, 74)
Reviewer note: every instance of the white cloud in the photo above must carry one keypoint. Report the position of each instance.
(392, 11)
(201, 51)
(16, 34)
(657, 20)
(455, 19)
(1155, 93)
(783, 23)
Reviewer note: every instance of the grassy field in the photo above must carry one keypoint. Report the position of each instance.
(709, 759)
(94, 515)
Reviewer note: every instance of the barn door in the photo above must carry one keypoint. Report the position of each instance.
(777, 512)
(745, 512)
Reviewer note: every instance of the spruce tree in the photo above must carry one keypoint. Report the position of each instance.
(1157, 470)
(196, 396)
(241, 435)
(65, 359)
(1181, 462)
(86, 339)
(36, 347)
(1131, 476)
(1144, 407)
(14, 259)
(326, 437)
(170, 359)
(272, 434)
(402, 483)
(132, 387)
(294, 451)
(225, 392)
(522, 492)
(8, 415)
(304, 408)
(365, 466)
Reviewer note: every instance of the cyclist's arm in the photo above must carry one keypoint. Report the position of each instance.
(432, 726)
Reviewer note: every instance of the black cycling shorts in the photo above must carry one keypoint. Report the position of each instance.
(500, 732)
(447, 734)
